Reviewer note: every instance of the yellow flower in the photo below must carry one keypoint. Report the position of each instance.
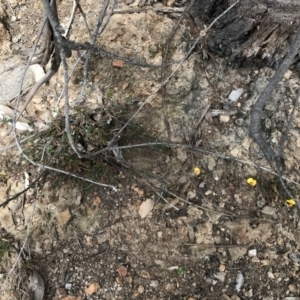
(197, 171)
(251, 181)
(290, 202)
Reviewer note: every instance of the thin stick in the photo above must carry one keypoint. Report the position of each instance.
(94, 37)
(167, 10)
(201, 207)
(15, 144)
(217, 246)
(71, 18)
(69, 78)
(23, 246)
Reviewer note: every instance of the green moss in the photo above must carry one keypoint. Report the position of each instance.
(4, 247)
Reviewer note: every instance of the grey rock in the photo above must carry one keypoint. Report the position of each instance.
(11, 72)
(268, 210)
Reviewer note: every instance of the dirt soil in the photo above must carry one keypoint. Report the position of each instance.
(205, 221)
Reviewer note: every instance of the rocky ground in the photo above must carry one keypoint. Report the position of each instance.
(185, 222)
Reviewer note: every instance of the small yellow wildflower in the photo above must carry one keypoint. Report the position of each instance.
(290, 202)
(197, 171)
(251, 181)
(3, 173)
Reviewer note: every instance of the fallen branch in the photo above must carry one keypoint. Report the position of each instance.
(257, 109)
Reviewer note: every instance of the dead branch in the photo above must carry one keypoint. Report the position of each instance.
(50, 50)
(257, 109)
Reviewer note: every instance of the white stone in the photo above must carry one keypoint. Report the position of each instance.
(224, 119)
(235, 95)
(268, 210)
(154, 283)
(287, 74)
(252, 252)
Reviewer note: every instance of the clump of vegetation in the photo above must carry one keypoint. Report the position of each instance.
(4, 247)
(91, 131)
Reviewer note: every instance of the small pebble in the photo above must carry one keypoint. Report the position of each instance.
(252, 252)
(239, 122)
(224, 119)
(292, 288)
(15, 39)
(154, 283)
(235, 94)
(255, 259)
(68, 286)
(191, 195)
(222, 267)
(288, 74)
(294, 257)
(268, 210)
(271, 275)
(201, 185)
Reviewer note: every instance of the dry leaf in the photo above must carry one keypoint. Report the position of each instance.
(139, 191)
(96, 78)
(122, 271)
(92, 288)
(40, 125)
(125, 85)
(145, 208)
(97, 201)
(118, 280)
(145, 274)
(118, 63)
(9, 113)
(222, 267)
(44, 115)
